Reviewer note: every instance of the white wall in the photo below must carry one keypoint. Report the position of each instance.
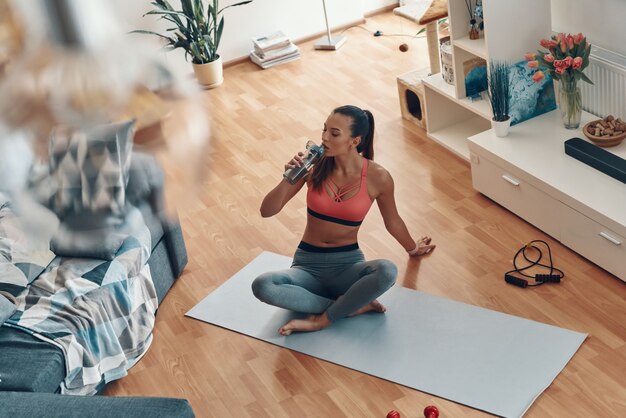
(603, 22)
(296, 18)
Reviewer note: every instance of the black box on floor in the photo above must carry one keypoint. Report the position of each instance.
(597, 158)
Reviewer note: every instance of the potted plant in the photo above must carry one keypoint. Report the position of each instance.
(197, 32)
(498, 88)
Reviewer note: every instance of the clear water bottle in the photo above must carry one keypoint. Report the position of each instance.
(313, 155)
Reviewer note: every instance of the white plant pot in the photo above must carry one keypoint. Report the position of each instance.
(501, 129)
(210, 75)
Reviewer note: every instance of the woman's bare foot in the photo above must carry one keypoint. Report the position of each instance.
(312, 323)
(373, 306)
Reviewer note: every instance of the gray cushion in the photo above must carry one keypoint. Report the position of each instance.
(161, 269)
(89, 170)
(28, 405)
(28, 364)
(145, 176)
(176, 247)
(7, 308)
(153, 222)
(93, 235)
(89, 235)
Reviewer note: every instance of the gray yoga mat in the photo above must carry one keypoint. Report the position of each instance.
(481, 358)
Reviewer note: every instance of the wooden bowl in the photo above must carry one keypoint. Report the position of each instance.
(603, 141)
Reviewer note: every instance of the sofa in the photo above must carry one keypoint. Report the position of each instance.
(95, 273)
(48, 405)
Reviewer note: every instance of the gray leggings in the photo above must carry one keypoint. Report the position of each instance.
(338, 283)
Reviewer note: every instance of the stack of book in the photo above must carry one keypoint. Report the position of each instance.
(272, 50)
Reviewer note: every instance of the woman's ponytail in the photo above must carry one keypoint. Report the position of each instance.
(366, 147)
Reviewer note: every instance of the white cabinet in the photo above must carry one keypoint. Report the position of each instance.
(529, 173)
(516, 194)
(596, 242)
(512, 28)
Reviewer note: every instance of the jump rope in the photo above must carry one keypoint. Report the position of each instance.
(553, 276)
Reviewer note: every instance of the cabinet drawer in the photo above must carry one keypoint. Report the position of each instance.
(593, 241)
(526, 201)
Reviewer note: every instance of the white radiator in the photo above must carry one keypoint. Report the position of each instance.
(607, 95)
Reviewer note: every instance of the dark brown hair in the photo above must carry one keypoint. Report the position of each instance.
(363, 126)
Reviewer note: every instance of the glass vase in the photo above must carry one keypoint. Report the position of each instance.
(570, 102)
(474, 33)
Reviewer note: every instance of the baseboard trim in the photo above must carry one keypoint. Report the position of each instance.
(333, 29)
(236, 61)
(302, 40)
(383, 9)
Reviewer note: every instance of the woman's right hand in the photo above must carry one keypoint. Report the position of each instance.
(284, 191)
(296, 161)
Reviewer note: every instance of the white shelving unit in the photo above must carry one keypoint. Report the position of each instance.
(473, 46)
(452, 121)
(527, 172)
(512, 28)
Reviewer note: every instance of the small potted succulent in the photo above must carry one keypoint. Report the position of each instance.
(498, 89)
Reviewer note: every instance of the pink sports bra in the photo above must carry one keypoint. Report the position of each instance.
(349, 212)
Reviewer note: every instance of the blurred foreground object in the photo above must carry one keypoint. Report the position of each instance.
(72, 65)
(11, 36)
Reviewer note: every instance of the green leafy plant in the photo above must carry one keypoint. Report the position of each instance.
(196, 31)
(498, 89)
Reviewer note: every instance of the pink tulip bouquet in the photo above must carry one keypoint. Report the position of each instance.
(565, 60)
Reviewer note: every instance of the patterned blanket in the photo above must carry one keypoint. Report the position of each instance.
(99, 313)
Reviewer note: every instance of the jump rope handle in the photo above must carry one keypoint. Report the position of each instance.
(515, 281)
(539, 278)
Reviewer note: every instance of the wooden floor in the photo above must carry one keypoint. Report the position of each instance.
(259, 119)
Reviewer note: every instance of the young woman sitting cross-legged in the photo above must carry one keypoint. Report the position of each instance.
(329, 277)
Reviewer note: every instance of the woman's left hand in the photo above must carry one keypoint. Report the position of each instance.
(422, 246)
